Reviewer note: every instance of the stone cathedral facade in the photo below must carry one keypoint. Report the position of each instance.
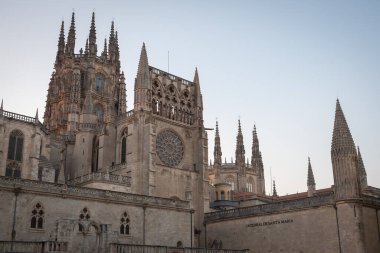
(95, 176)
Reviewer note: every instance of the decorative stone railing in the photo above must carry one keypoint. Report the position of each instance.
(286, 205)
(171, 77)
(32, 246)
(101, 177)
(23, 118)
(133, 248)
(89, 193)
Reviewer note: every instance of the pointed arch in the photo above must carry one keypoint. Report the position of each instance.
(124, 224)
(37, 217)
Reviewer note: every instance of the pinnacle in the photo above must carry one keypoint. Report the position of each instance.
(310, 175)
(217, 129)
(143, 63)
(342, 142)
(196, 77)
(274, 189)
(1, 107)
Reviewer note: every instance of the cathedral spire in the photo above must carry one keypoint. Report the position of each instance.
(61, 44)
(142, 82)
(257, 162)
(240, 152)
(274, 189)
(217, 147)
(361, 170)
(1, 107)
(112, 44)
(104, 53)
(92, 37)
(344, 159)
(70, 45)
(310, 180)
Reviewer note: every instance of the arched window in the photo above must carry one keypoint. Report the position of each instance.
(124, 224)
(37, 220)
(123, 153)
(15, 145)
(84, 215)
(13, 170)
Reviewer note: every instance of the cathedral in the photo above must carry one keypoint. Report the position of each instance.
(97, 177)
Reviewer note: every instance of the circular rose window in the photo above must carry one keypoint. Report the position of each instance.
(169, 148)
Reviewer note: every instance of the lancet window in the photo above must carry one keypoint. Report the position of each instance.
(123, 150)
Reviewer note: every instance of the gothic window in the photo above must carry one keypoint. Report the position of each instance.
(170, 148)
(15, 145)
(13, 170)
(124, 224)
(123, 154)
(37, 220)
(84, 215)
(99, 82)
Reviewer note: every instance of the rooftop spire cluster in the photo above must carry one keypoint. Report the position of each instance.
(109, 53)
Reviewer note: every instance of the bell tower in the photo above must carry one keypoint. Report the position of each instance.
(86, 95)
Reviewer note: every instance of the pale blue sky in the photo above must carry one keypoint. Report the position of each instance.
(279, 64)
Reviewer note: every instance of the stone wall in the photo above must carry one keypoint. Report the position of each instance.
(152, 220)
(310, 230)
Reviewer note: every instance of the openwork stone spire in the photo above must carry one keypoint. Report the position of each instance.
(344, 159)
(61, 44)
(70, 45)
(257, 162)
(92, 37)
(111, 43)
(240, 151)
(274, 189)
(217, 147)
(310, 180)
(362, 172)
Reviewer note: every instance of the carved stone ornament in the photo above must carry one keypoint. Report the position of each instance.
(169, 148)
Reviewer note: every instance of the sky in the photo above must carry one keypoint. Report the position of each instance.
(278, 64)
